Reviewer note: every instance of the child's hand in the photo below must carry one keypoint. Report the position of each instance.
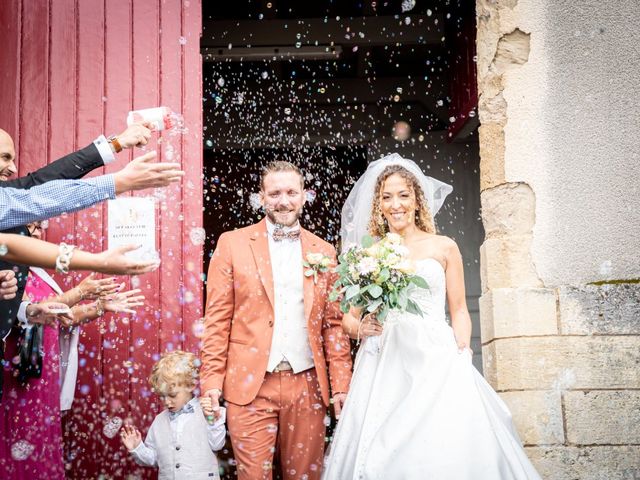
(130, 437)
(209, 411)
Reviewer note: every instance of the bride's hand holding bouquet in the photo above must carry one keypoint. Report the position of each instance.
(375, 278)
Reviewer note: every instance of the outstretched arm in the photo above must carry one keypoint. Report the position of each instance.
(78, 164)
(30, 251)
(143, 453)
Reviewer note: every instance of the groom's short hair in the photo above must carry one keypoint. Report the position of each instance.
(279, 166)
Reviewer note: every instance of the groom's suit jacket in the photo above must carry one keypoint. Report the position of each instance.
(239, 317)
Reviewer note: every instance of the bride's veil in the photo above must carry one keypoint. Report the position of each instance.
(356, 211)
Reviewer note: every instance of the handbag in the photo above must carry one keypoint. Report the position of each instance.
(30, 353)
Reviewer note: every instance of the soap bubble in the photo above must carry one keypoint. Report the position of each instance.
(401, 131)
(112, 427)
(197, 235)
(408, 5)
(21, 450)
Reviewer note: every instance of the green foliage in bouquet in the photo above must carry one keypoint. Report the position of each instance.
(376, 277)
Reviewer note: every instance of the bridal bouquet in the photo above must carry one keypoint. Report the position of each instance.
(376, 277)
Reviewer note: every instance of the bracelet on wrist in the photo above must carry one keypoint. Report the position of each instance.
(63, 261)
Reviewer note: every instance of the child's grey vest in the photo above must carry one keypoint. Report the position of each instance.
(190, 458)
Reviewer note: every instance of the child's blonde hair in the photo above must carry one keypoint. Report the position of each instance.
(174, 369)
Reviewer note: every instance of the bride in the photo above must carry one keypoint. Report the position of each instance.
(417, 408)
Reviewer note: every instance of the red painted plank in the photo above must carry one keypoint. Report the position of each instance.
(62, 108)
(34, 73)
(62, 126)
(117, 102)
(144, 330)
(192, 164)
(10, 26)
(171, 46)
(90, 409)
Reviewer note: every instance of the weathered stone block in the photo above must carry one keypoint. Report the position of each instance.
(603, 417)
(586, 463)
(508, 209)
(537, 416)
(514, 312)
(506, 262)
(563, 363)
(491, 155)
(605, 309)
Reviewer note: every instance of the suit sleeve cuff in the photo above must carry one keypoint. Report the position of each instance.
(23, 321)
(104, 149)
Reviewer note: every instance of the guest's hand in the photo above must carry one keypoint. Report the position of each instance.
(141, 173)
(130, 437)
(47, 313)
(136, 135)
(338, 402)
(115, 261)
(8, 284)
(213, 397)
(123, 302)
(369, 326)
(92, 288)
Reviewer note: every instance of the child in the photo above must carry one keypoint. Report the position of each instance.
(182, 438)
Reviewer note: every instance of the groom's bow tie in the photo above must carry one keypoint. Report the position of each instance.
(188, 408)
(279, 234)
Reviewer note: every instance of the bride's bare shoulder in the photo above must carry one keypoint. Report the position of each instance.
(440, 240)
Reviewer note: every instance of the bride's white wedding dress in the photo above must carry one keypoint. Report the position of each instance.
(417, 409)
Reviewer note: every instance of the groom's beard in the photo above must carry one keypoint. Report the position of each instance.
(285, 218)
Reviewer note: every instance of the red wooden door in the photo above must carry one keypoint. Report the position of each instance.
(69, 71)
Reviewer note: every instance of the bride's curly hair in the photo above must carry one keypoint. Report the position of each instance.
(378, 226)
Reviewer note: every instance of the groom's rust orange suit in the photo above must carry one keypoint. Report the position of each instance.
(268, 408)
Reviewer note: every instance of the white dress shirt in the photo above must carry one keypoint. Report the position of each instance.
(290, 339)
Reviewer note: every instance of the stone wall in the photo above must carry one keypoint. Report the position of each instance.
(560, 332)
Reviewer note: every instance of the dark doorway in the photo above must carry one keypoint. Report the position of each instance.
(232, 179)
(332, 85)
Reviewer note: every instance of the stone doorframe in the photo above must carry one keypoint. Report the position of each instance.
(564, 359)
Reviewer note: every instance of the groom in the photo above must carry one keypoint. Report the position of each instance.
(273, 343)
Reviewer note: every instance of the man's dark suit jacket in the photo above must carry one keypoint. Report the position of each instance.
(73, 166)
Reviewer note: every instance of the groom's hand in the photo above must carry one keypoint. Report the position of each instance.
(338, 401)
(214, 395)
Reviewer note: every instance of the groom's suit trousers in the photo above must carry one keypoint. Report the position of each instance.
(287, 416)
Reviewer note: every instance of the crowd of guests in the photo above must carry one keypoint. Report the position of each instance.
(40, 364)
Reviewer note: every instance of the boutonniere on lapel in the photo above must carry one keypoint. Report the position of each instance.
(316, 263)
